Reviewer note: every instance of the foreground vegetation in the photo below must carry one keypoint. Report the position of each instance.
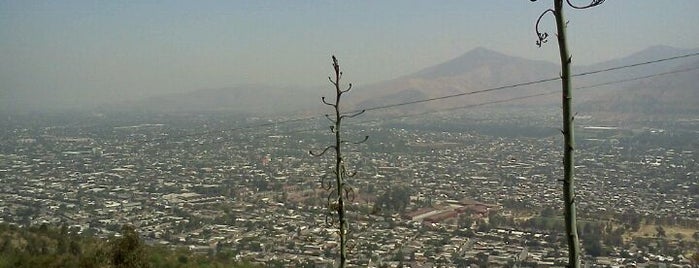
(44, 246)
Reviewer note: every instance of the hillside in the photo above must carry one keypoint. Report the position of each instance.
(676, 94)
(475, 70)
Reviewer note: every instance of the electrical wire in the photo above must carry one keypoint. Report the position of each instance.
(535, 95)
(383, 107)
(492, 102)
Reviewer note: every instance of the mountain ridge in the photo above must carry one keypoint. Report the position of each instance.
(477, 69)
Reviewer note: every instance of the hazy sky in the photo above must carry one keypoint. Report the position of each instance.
(116, 49)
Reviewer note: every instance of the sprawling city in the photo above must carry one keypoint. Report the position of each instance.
(425, 193)
(336, 134)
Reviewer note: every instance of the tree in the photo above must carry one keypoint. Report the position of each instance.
(342, 190)
(127, 250)
(465, 221)
(660, 231)
(483, 226)
(496, 220)
(568, 138)
(394, 199)
(548, 212)
(695, 258)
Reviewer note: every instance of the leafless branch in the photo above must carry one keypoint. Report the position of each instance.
(346, 90)
(327, 103)
(352, 115)
(356, 142)
(323, 152)
(542, 36)
(594, 3)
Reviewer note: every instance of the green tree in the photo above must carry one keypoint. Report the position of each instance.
(660, 231)
(695, 259)
(127, 251)
(496, 220)
(465, 221)
(483, 226)
(548, 212)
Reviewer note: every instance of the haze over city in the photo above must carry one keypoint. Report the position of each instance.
(72, 53)
(206, 134)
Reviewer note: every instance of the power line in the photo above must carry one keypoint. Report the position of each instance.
(641, 77)
(636, 64)
(498, 101)
(539, 94)
(461, 94)
(527, 83)
(383, 107)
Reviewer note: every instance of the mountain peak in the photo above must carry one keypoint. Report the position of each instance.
(480, 52)
(467, 62)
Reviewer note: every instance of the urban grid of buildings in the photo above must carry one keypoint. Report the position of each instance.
(423, 198)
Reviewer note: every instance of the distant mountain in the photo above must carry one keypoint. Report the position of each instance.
(477, 69)
(475, 61)
(672, 94)
(646, 55)
(482, 68)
